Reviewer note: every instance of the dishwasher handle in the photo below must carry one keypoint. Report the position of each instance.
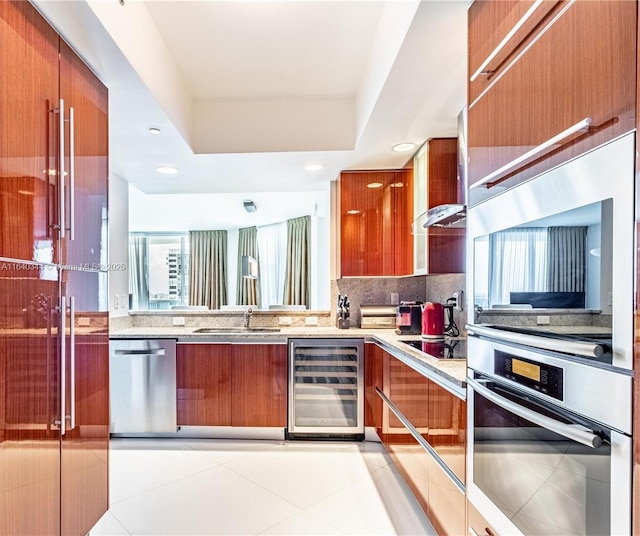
(156, 351)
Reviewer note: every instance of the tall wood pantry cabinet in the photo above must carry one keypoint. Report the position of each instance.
(54, 384)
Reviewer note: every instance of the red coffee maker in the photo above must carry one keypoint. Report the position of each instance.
(432, 321)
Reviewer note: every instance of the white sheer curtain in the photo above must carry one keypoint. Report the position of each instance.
(272, 248)
(517, 262)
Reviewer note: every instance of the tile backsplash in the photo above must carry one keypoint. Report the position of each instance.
(379, 291)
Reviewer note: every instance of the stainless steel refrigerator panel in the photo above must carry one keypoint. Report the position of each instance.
(143, 386)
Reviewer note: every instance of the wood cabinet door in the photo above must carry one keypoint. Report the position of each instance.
(498, 31)
(412, 460)
(448, 428)
(86, 162)
(447, 504)
(85, 443)
(581, 67)
(445, 247)
(203, 380)
(259, 385)
(409, 392)
(401, 222)
(29, 406)
(28, 133)
(373, 363)
(376, 210)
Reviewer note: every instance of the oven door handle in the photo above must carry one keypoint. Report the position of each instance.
(575, 432)
(586, 349)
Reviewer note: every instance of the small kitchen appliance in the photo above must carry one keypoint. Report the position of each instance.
(432, 320)
(409, 318)
(377, 316)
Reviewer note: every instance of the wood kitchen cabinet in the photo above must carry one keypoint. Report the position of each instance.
(203, 383)
(437, 250)
(231, 384)
(54, 403)
(438, 417)
(30, 66)
(373, 366)
(259, 385)
(376, 210)
(86, 106)
(578, 63)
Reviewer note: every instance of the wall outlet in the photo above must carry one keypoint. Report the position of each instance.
(458, 300)
(284, 320)
(311, 321)
(542, 320)
(178, 321)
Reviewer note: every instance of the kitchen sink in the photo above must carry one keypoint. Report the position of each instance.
(235, 330)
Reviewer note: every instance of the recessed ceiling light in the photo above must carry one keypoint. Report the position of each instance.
(353, 211)
(154, 130)
(403, 147)
(398, 184)
(316, 166)
(167, 170)
(26, 192)
(375, 185)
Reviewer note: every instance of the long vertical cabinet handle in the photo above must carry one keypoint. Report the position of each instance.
(72, 176)
(63, 364)
(61, 216)
(72, 342)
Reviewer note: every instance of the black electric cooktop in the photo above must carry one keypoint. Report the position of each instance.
(447, 348)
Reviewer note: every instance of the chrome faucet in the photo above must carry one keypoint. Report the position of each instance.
(247, 317)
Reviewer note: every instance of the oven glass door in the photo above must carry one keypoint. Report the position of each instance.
(542, 481)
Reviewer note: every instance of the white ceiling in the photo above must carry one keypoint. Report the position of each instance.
(248, 92)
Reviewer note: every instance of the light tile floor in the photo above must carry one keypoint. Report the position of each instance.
(206, 487)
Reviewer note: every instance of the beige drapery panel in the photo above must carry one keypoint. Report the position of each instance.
(248, 290)
(297, 285)
(208, 268)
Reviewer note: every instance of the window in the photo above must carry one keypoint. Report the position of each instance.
(165, 266)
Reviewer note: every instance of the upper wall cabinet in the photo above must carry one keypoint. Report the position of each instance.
(548, 81)
(436, 250)
(376, 210)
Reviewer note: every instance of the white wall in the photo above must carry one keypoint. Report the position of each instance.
(118, 245)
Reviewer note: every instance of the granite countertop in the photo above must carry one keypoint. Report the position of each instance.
(449, 373)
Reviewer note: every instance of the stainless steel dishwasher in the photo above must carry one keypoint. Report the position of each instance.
(143, 386)
(326, 388)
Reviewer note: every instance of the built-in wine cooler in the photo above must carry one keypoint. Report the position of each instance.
(326, 388)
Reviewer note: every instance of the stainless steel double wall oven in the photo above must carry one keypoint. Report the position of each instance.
(549, 402)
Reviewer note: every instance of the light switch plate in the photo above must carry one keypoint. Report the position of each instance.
(178, 321)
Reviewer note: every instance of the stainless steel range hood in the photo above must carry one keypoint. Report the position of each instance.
(454, 214)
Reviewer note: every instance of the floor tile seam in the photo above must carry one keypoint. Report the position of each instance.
(350, 483)
(164, 484)
(304, 510)
(119, 523)
(299, 508)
